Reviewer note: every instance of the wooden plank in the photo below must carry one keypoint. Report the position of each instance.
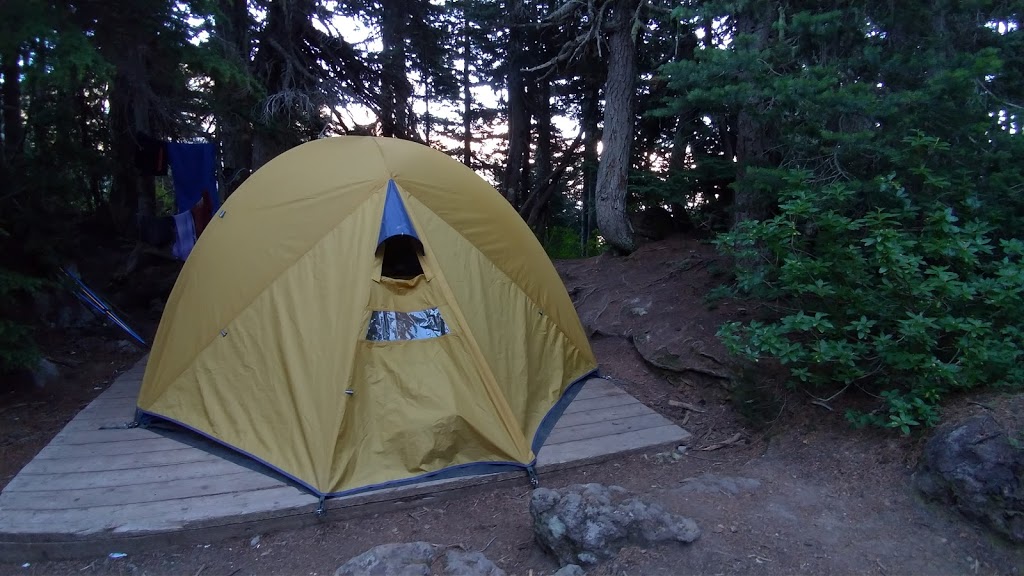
(154, 516)
(624, 442)
(125, 462)
(612, 413)
(600, 402)
(137, 493)
(595, 387)
(605, 428)
(107, 406)
(99, 423)
(77, 437)
(121, 388)
(589, 393)
(59, 451)
(78, 480)
(121, 392)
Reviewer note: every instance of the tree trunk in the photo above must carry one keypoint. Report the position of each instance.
(146, 205)
(283, 32)
(124, 192)
(396, 90)
(590, 119)
(751, 137)
(518, 115)
(467, 94)
(234, 131)
(620, 93)
(543, 166)
(132, 194)
(534, 209)
(426, 111)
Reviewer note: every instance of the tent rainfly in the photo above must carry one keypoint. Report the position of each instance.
(368, 312)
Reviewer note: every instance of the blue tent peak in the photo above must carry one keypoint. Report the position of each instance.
(395, 221)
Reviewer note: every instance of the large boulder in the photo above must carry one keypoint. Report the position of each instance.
(588, 523)
(418, 559)
(976, 468)
(44, 373)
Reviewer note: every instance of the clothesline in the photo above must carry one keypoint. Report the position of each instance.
(193, 171)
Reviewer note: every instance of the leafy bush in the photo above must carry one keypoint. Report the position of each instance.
(906, 302)
(563, 243)
(17, 349)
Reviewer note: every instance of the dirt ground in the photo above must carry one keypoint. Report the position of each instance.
(791, 490)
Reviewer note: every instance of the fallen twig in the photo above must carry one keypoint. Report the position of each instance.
(579, 303)
(710, 357)
(688, 454)
(830, 398)
(605, 307)
(685, 405)
(732, 440)
(822, 404)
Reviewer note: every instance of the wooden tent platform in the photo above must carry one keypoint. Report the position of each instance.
(96, 489)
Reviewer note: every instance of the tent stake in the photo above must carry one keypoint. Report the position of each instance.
(534, 481)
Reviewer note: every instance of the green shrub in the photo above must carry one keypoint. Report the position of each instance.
(17, 349)
(906, 302)
(563, 243)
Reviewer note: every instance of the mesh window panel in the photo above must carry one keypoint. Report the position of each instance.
(388, 326)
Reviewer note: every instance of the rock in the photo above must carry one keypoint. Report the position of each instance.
(570, 570)
(588, 523)
(410, 559)
(44, 373)
(418, 558)
(459, 563)
(638, 306)
(976, 468)
(678, 354)
(74, 314)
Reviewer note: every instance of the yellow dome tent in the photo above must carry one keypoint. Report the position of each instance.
(367, 312)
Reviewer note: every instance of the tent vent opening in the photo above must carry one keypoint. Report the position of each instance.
(401, 258)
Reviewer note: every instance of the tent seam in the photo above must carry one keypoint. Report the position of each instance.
(500, 270)
(511, 280)
(270, 284)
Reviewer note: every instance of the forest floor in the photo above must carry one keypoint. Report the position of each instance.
(791, 489)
